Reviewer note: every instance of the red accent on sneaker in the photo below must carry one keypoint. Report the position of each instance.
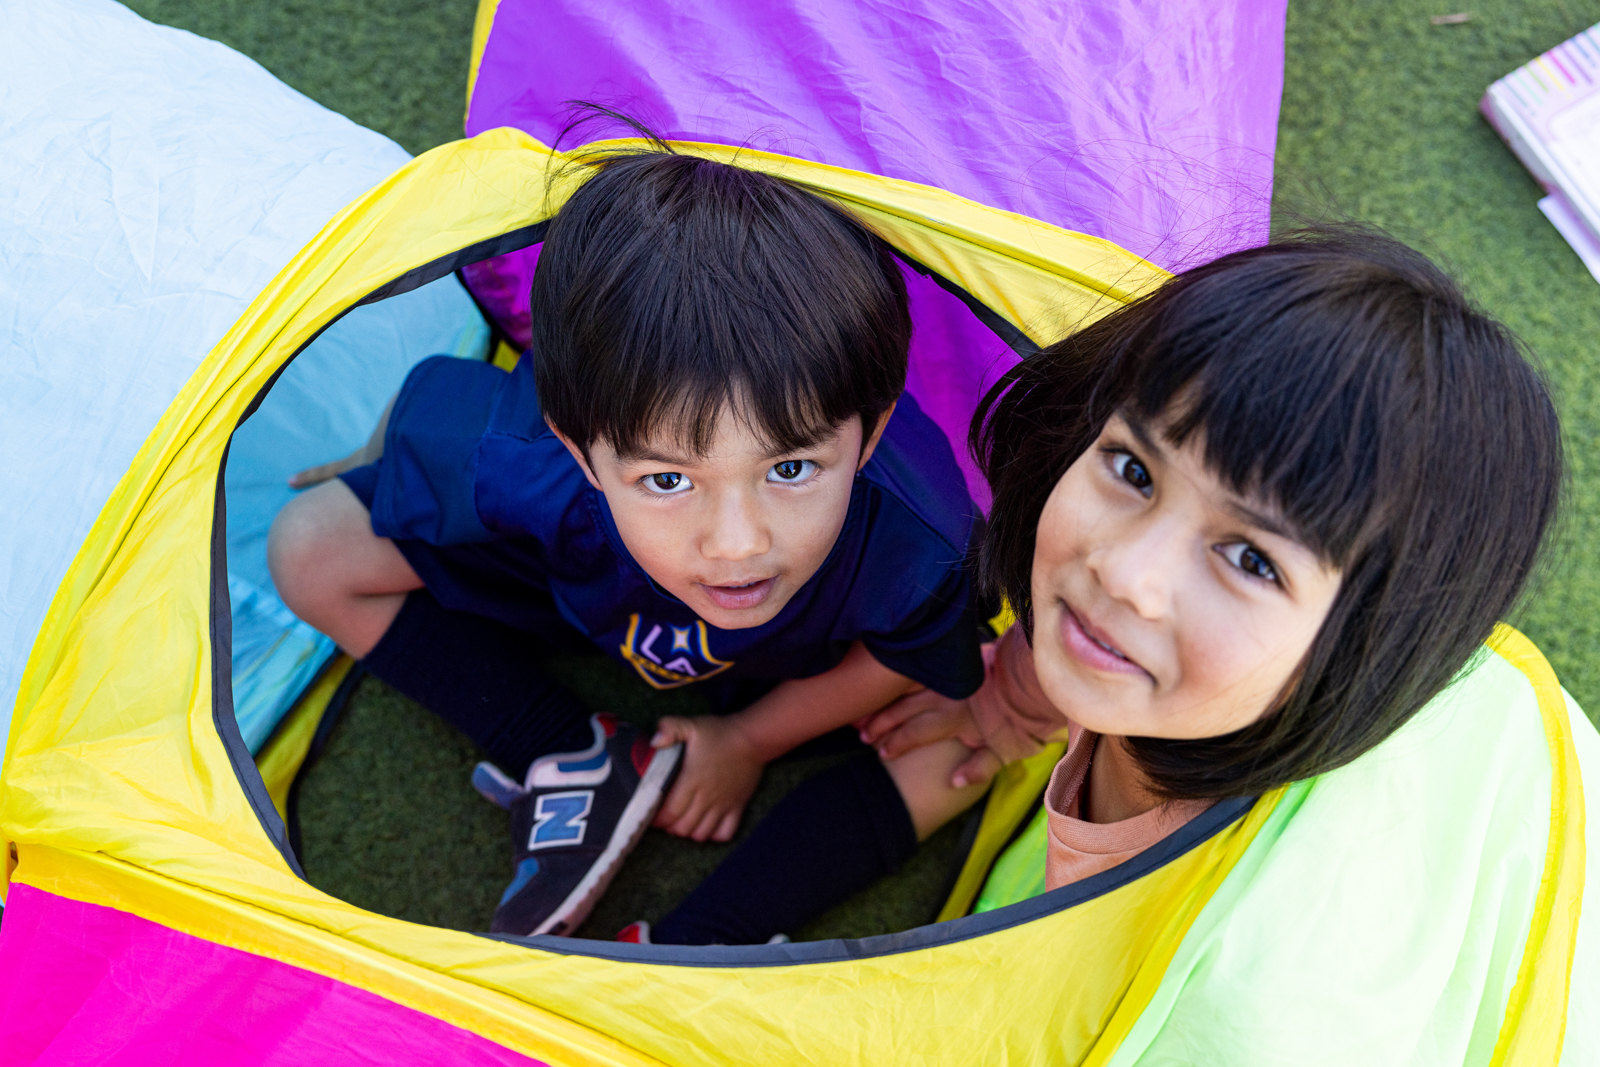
(635, 933)
(642, 754)
(608, 723)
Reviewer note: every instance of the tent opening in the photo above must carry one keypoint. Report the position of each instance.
(367, 793)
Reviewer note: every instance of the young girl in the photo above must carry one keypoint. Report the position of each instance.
(1250, 525)
(1285, 500)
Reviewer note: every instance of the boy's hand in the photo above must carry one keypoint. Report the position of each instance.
(328, 471)
(720, 772)
(370, 452)
(923, 718)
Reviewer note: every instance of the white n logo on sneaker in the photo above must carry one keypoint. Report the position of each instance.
(560, 819)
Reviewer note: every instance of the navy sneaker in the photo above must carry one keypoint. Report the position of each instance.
(573, 820)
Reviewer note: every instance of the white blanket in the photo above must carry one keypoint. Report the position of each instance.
(151, 183)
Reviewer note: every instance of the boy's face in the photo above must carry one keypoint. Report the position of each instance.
(736, 532)
(1164, 604)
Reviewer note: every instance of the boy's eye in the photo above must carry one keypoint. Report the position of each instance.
(667, 483)
(1130, 470)
(792, 471)
(1251, 560)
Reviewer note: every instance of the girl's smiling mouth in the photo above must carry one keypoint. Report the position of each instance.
(1089, 645)
(741, 595)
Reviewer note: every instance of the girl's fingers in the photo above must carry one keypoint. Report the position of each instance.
(726, 828)
(924, 729)
(892, 716)
(976, 769)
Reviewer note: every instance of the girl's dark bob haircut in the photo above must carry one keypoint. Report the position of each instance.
(671, 287)
(1344, 379)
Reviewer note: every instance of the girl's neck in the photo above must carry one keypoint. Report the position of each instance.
(1115, 790)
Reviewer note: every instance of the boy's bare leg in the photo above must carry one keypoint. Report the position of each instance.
(333, 571)
(923, 777)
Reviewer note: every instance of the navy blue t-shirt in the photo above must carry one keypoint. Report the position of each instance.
(494, 513)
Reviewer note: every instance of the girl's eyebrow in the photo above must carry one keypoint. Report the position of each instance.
(1263, 521)
(1142, 436)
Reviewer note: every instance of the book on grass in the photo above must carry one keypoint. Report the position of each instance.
(1548, 111)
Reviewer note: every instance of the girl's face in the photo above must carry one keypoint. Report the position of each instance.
(1165, 605)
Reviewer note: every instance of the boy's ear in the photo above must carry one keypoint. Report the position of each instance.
(577, 454)
(877, 434)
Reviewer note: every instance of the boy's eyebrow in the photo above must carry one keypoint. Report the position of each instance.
(650, 455)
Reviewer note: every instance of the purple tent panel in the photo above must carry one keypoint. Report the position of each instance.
(1150, 123)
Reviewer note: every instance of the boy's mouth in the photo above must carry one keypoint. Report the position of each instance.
(743, 595)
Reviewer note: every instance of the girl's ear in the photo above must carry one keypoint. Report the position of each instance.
(579, 454)
(871, 442)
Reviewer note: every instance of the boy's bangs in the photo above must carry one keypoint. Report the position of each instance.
(687, 417)
(672, 288)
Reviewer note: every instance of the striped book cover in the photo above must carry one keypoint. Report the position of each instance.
(1548, 111)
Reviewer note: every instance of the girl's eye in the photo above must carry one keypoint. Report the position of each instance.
(1130, 470)
(1251, 560)
(792, 471)
(668, 483)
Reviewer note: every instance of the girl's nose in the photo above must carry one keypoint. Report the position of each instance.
(1139, 565)
(737, 530)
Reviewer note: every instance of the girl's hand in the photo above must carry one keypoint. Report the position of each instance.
(919, 719)
(925, 718)
(719, 774)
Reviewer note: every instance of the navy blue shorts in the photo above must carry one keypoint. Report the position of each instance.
(497, 579)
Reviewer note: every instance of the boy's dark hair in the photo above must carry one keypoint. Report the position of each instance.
(671, 286)
(1344, 378)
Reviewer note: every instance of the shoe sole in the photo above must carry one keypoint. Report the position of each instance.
(636, 817)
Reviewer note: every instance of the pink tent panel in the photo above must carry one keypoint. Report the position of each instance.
(83, 984)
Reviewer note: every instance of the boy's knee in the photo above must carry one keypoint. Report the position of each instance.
(312, 539)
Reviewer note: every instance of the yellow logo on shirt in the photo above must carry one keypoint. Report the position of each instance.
(670, 656)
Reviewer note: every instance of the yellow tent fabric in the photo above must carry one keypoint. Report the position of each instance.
(123, 787)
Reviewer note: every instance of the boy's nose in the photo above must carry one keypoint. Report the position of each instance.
(737, 531)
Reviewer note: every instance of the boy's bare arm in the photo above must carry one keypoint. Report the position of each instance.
(725, 754)
(367, 453)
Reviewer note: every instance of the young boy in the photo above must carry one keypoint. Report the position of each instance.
(705, 467)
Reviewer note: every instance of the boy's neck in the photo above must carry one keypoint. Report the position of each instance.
(1115, 790)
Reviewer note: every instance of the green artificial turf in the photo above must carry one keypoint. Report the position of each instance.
(1379, 123)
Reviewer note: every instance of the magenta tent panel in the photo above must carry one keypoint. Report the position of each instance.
(81, 983)
(1151, 123)
(1148, 122)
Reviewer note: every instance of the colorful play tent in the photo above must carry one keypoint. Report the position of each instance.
(209, 280)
